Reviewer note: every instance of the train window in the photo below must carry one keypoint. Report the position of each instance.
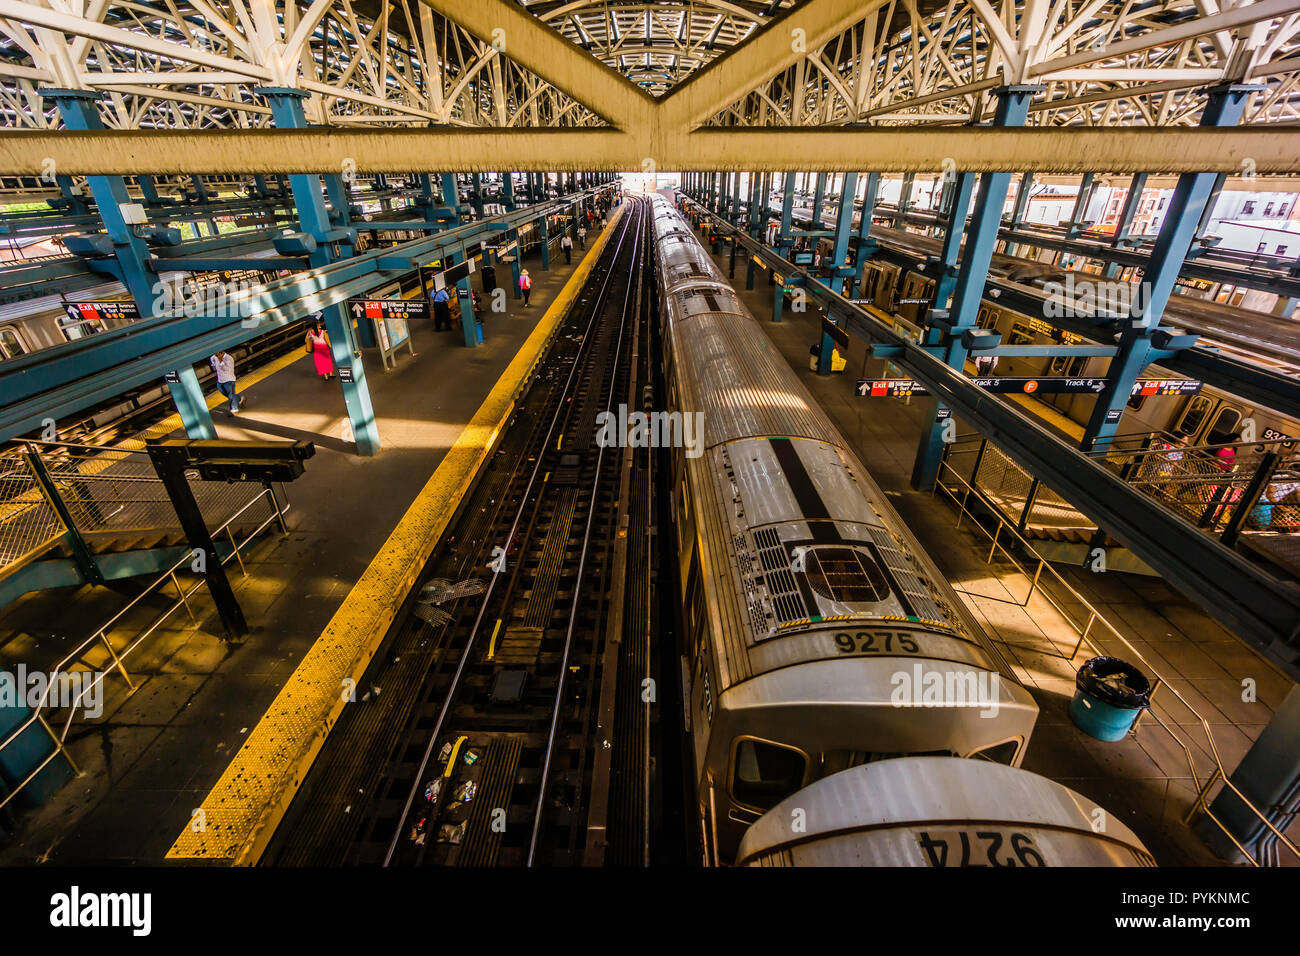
(1136, 402)
(1004, 752)
(1057, 365)
(1225, 426)
(987, 318)
(79, 328)
(765, 773)
(1194, 416)
(11, 346)
(1020, 334)
(847, 575)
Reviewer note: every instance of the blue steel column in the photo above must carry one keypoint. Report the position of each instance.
(904, 198)
(1074, 227)
(340, 214)
(819, 197)
(508, 200)
(751, 224)
(865, 247)
(313, 219)
(1161, 273)
(783, 239)
(201, 193)
(843, 229)
(946, 280)
(476, 184)
(546, 243)
(981, 237)
(149, 190)
(468, 326)
(77, 205)
(77, 108)
(1132, 199)
(1021, 208)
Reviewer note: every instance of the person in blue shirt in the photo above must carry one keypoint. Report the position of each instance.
(441, 311)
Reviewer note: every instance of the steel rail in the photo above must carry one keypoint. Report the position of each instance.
(638, 253)
(561, 408)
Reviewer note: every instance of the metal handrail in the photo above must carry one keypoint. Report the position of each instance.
(1095, 616)
(101, 634)
(1138, 451)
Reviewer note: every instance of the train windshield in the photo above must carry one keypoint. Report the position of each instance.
(766, 773)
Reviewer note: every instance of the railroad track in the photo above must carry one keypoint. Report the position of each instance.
(488, 740)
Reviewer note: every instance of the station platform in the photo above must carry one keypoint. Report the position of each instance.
(193, 765)
(1144, 779)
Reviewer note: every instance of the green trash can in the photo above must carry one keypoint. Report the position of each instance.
(1108, 696)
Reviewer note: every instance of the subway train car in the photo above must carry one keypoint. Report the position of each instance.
(1209, 417)
(818, 635)
(43, 322)
(939, 812)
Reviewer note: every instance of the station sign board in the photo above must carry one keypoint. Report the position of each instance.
(1166, 386)
(462, 270)
(837, 334)
(1044, 385)
(119, 311)
(890, 388)
(385, 309)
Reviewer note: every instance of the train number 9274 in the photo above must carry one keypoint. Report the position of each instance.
(876, 642)
(979, 848)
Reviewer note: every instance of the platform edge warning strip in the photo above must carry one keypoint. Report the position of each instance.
(239, 815)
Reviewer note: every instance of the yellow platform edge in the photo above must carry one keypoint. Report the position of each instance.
(240, 814)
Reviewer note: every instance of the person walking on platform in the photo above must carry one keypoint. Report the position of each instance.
(223, 363)
(318, 347)
(567, 245)
(582, 236)
(525, 285)
(441, 310)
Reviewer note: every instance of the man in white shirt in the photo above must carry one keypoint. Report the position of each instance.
(223, 363)
(567, 245)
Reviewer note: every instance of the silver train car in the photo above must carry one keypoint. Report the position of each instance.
(818, 634)
(939, 812)
(1209, 417)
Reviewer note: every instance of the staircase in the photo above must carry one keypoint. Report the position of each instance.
(1245, 494)
(71, 514)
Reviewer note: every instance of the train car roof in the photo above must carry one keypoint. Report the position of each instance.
(939, 811)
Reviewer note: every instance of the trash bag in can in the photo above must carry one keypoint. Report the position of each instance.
(1108, 696)
(489, 274)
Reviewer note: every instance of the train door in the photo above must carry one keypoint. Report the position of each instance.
(1067, 366)
(1208, 420)
(76, 326)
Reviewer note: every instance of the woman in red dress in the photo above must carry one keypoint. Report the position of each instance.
(318, 345)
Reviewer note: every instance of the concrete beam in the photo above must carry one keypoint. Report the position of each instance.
(1273, 150)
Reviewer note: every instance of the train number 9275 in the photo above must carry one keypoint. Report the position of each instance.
(876, 642)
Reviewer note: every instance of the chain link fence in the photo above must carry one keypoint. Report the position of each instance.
(1240, 488)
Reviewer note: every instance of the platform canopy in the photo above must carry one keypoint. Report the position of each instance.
(607, 84)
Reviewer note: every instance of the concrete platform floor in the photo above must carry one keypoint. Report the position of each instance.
(155, 754)
(1144, 779)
